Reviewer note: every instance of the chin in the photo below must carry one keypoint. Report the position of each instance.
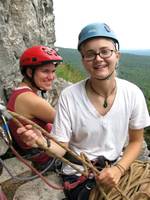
(47, 88)
(100, 76)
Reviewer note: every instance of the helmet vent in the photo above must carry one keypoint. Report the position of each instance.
(107, 28)
(34, 59)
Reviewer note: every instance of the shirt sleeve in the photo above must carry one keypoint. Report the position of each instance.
(139, 117)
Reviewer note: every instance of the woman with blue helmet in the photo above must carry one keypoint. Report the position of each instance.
(95, 116)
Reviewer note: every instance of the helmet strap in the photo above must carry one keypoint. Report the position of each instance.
(43, 92)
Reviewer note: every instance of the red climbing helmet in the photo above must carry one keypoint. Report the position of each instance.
(38, 55)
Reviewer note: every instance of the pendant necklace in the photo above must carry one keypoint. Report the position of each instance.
(105, 104)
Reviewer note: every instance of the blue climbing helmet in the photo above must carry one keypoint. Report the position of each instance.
(96, 30)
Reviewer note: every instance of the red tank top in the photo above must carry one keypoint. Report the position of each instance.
(13, 127)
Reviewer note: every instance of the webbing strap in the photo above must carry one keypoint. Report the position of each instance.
(70, 186)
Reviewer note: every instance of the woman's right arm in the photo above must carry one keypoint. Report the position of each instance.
(33, 137)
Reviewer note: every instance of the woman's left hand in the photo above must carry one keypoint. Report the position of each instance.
(109, 176)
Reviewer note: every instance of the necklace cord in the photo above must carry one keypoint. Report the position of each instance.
(105, 104)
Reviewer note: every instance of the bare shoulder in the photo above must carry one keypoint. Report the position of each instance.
(26, 97)
(33, 106)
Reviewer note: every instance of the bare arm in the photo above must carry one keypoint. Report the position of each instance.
(133, 148)
(110, 176)
(32, 137)
(32, 106)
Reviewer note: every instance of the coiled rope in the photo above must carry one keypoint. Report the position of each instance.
(135, 185)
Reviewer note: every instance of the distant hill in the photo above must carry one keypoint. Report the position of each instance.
(143, 52)
(135, 68)
(128, 58)
(71, 56)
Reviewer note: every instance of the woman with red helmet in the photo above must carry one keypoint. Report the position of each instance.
(38, 66)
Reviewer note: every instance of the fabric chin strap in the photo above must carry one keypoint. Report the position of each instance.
(43, 93)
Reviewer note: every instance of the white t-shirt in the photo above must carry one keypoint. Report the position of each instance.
(79, 123)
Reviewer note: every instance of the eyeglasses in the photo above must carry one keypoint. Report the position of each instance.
(103, 53)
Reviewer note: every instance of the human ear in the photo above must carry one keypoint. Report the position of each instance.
(29, 72)
(118, 55)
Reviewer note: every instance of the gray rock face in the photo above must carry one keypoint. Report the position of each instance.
(37, 190)
(3, 147)
(22, 24)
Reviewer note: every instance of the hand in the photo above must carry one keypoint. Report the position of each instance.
(29, 135)
(109, 176)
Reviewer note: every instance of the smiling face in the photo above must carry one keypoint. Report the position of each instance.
(43, 76)
(102, 66)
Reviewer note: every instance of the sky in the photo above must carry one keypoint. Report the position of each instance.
(129, 19)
